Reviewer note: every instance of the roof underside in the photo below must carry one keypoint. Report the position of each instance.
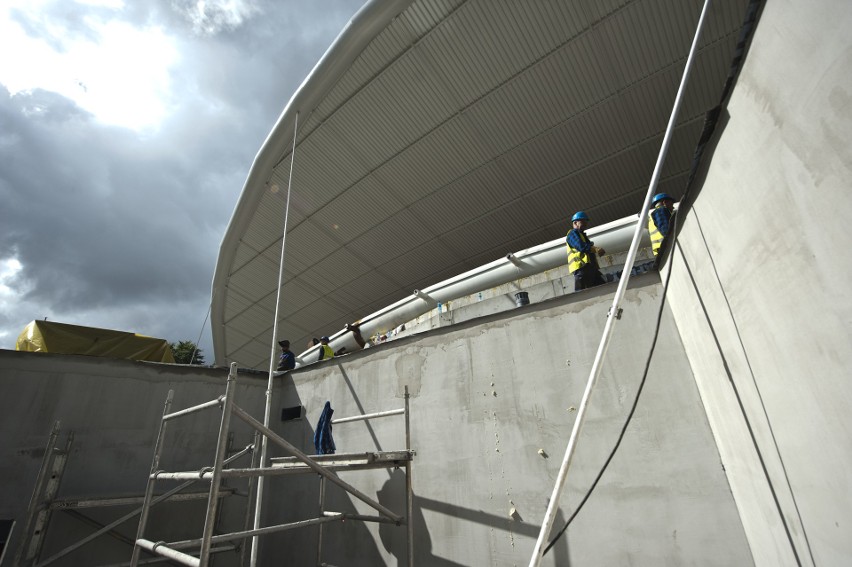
(437, 138)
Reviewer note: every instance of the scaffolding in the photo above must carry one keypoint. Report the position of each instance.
(297, 463)
(45, 501)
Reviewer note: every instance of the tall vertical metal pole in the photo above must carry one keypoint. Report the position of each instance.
(614, 310)
(321, 513)
(255, 454)
(216, 481)
(149, 489)
(409, 494)
(258, 507)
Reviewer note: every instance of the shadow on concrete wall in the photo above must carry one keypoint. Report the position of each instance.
(392, 494)
(295, 498)
(361, 409)
(559, 552)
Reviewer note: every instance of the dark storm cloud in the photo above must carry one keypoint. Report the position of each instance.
(97, 215)
(121, 229)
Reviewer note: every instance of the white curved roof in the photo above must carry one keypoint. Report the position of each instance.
(435, 136)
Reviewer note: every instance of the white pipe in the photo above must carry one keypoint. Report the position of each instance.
(255, 541)
(614, 311)
(368, 416)
(614, 237)
(165, 551)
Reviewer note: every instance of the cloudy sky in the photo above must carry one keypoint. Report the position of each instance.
(127, 128)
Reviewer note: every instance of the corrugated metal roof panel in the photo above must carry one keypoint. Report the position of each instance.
(459, 202)
(236, 303)
(256, 351)
(297, 293)
(340, 267)
(315, 316)
(368, 200)
(234, 337)
(416, 265)
(392, 238)
(375, 283)
(308, 243)
(255, 280)
(257, 318)
(436, 160)
(462, 131)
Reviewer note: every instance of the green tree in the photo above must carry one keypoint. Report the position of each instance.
(183, 351)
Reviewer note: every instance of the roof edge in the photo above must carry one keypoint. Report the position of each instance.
(361, 29)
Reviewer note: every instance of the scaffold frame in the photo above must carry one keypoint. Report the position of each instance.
(298, 463)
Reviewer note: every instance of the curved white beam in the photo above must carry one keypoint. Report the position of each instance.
(613, 237)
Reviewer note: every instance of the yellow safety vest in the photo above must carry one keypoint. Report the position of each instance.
(326, 352)
(577, 259)
(656, 236)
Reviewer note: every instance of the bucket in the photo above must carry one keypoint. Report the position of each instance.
(522, 298)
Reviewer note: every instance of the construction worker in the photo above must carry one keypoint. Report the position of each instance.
(658, 219)
(325, 351)
(287, 360)
(583, 254)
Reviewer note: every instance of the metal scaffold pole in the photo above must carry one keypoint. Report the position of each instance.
(409, 495)
(149, 489)
(615, 310)
(258, 507)
(221, 448)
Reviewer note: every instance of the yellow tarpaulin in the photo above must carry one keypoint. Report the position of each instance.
(61, 338)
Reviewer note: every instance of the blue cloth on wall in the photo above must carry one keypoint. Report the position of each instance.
(323, 441)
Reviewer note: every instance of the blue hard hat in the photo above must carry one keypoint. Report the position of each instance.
(661, 197)
(579, 215)
(324, 339)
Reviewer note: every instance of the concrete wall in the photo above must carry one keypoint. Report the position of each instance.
(492, 408)
(487, 396)
(113, 407)
(760, 290)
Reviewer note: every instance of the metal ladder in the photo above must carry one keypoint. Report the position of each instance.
(46, 487)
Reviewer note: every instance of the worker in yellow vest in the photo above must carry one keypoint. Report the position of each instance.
(583, 254)
(659, 218)
(325, 351)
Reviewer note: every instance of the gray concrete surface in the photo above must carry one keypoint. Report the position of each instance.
(113, 407)
(491, 414)
(760, 290)
(487, 396)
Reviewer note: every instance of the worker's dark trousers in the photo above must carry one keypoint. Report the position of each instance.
(587, 276)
